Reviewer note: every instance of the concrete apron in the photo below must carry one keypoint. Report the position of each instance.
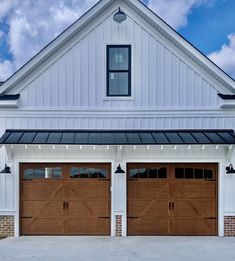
(109, 248)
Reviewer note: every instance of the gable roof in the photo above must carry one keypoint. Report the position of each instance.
(217, 73)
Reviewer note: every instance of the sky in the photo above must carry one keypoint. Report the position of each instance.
(26, 26)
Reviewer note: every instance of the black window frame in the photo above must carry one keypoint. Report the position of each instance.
(108, 71)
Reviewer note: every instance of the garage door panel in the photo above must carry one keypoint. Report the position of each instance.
(192, 226)
(42, 190)
(42, 226)
(75, 202)
(147, 190)
(148, 226)
(185, 202)
(89, 190)
(192, 190)
(194, 208)
(89, 208)
(89, 226)
(42, 208)
(155, 208)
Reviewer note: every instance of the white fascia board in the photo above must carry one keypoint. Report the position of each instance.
(227, 104)
(54, 45)
(172, 35)
(9, 104)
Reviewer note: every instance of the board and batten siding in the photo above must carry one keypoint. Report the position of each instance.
(169, 92)
(161, 78)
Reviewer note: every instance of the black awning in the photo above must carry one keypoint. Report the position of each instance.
(118, 137)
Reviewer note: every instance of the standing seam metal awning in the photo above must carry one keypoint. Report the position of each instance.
(118, 137)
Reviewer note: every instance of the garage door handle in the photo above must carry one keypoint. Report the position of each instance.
(210, 217)
(64, 205)
(173, 205)
(104, 217)
(170, 205)
(67, 205)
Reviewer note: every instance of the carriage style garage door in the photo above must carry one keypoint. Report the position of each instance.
(65, 199)
(172, 199)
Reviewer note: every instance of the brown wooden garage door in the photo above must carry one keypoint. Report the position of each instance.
(172, 199)
(65, 199)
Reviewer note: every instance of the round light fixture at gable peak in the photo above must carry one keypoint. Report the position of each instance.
(119, 16)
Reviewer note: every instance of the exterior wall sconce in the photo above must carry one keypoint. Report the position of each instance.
(6, 170)
(119, 16)
(119, 170)
(230, 169)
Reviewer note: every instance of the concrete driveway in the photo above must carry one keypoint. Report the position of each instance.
(107, 248)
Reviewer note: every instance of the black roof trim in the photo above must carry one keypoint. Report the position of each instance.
(12, 97)
(227, 96)
(119, 137)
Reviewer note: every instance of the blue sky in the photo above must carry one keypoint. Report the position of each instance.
(208, 26)
(26, 26)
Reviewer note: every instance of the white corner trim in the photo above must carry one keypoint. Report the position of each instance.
(227, 104)
(7, 212)
(9, 104)
(229, 213)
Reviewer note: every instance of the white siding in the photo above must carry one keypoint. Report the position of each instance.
(168, 92)
(161, 77)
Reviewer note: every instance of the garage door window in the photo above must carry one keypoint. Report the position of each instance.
(145, 173)
(193, 173)
(86, 173)
(43, 173)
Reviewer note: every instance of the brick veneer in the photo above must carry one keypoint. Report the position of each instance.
(118, 232)
(229, 226)
(6, 226)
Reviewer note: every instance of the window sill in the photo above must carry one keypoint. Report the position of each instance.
(117, 98)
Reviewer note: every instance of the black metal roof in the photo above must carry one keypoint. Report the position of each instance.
(226, 96)
(12, 97)
(121, 137)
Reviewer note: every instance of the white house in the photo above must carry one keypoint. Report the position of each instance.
(106, 93)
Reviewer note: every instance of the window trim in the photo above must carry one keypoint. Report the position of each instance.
(110, 71)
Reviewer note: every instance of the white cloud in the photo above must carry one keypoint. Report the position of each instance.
(6, 69)
(225, 57)
(33, 24)
(5, 7)
(175, 12)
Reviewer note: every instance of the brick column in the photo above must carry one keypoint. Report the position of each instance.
(229, 226)
(7, 226)
(118, 232)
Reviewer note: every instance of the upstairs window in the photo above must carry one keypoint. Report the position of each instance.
(119, 70)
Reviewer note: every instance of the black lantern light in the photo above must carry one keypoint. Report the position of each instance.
(6, 170)
(230, 169)
(119, 170)
(120, 16)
